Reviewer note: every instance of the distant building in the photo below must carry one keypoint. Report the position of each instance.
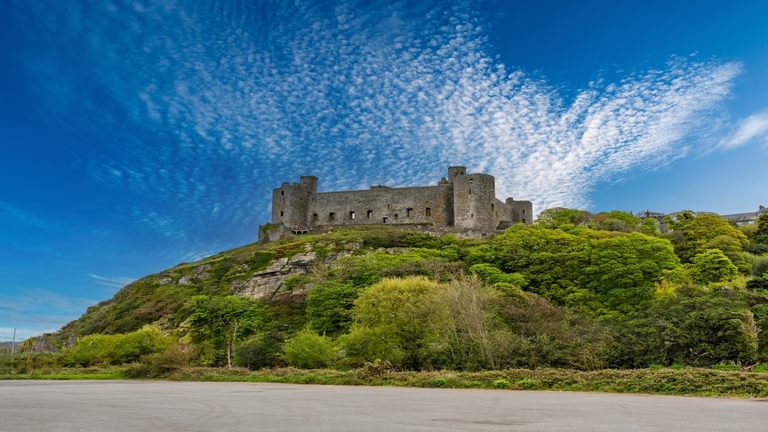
(464, 201)
(739, 219)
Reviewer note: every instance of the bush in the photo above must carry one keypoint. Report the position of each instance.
(501, 384)
(363, 345)
(759, 264)
(690, 328)
(117, 349)
(163, 363)
(259, 351)
(309, 350)
(712, 266)
(404, 320)
(329, 307)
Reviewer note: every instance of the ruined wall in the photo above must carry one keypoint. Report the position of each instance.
(379, 205)
(522, 211)
(474, 199)
(464, 201)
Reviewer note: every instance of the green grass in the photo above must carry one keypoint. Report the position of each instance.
(689, 381)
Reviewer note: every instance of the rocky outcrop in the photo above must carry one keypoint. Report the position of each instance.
(268, 283)
(200, 272)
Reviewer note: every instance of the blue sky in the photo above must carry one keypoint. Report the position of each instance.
(135, 135)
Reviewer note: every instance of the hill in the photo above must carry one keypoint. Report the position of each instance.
(574, 290)
(274, 272)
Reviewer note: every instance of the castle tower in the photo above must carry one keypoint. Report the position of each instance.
(290, 202)
(454, 171)
(474, 199)
(521, 211)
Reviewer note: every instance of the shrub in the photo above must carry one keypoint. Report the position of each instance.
(117, 349)
(404, 320)
(329, 307)
(309, 350)
(501, 384)
(712, 266)
(363, 345)
(259, 351)
(163, 363)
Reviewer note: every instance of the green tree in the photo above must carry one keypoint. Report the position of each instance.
(623, 270)
(712, 266)
(402, 320)
(693, 233)
(329, 307)
(591, 269)
(615, 221)
(759, 237)
(118, 348)
(695, 328)
(559, 216)
(223, 321)
(308, 350)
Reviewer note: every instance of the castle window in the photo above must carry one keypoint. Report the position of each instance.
(471, 180)
(369, 214)
(428, 212)
(408, 212)
(351, 215)
(281, 214)
(384, 220)
(493, 206)
(331, 216)
(470, 191)
(395, 216)
(472, 215)
(282, 193)
(315, 217)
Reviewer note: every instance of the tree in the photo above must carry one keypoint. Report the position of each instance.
(693, 233)
(759, 237)
(559, 216)
(623, 270)
(224, 320)
(329, 307)
(308, 350)
(597, 270)
(712, 266)
(696, 328)
(402, 320)
(615, 221)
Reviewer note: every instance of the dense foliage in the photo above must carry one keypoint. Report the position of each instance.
(575, 290)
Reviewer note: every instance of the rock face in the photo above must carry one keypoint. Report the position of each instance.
(200, 272)
(269, 283)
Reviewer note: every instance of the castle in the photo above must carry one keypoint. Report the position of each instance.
(463, 202)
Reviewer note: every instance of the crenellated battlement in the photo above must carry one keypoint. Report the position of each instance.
(465, 201)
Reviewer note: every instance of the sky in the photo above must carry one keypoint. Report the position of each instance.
(135, 135)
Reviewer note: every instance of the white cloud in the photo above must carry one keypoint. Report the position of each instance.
(360, 95)
(752, 129)
(111, 281)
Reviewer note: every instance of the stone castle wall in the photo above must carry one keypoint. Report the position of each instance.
(464, 201)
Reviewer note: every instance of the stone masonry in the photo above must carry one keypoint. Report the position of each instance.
(462, 201)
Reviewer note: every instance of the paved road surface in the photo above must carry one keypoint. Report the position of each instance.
(83, 406)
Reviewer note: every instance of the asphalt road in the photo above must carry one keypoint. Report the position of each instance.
(147, 406)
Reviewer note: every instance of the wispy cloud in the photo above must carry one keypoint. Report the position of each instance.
(13, 214)
(111, 281)
(229, 99)
(36, 311)
(752, 129)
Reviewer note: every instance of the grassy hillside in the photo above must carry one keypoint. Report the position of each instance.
(575, 291)
(162, 298)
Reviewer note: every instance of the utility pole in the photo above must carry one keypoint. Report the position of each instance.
(13, 343)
